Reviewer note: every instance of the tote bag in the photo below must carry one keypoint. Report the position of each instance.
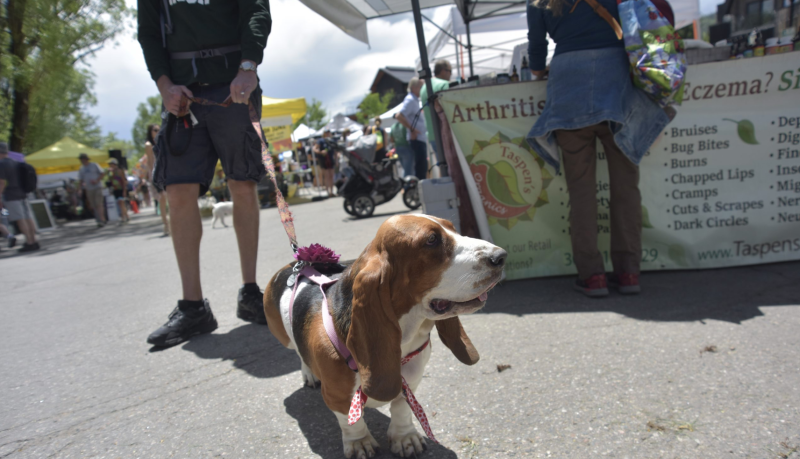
(655, 50)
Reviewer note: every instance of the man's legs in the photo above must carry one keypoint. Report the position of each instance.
(406, 155)
(187, 230)
(245, 223)
(162, 209)
(19, 212)
(420, 159)
(98, 203)
(88, 203)
(28, 228)
(239, 152)
(193, 315)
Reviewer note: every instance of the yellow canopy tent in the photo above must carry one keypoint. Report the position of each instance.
(277, 118)
(282, 108)
(62, 156)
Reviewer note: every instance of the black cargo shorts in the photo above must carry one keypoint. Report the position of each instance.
(222, 133)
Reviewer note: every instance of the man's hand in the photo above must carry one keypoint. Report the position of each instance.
(414, 133)
(171, 94)
(244, 84)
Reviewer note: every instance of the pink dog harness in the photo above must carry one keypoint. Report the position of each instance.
(359, 398)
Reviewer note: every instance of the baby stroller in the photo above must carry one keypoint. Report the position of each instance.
(371, 181)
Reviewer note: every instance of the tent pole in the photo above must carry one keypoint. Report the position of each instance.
(458, 63)
(425, 73)
(469, 49)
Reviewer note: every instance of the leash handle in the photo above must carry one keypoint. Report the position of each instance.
(283, 208)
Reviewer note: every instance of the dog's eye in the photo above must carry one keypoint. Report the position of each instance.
(433, 239)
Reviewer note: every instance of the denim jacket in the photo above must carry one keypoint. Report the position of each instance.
(592, 86)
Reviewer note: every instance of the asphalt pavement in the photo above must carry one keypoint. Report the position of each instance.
(703, 364)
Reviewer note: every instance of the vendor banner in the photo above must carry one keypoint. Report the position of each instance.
(279, 138)
(720, 186)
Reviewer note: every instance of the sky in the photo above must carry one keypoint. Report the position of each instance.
(306, 56)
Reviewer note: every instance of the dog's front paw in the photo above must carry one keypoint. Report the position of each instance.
(308, 376)
(407, 445)
(362, 448)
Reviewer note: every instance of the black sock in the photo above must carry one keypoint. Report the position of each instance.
(251, 287)
(186, 305)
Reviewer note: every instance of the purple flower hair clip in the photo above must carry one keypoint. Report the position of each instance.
(316, 253)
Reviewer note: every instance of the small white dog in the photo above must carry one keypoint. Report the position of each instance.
(222, 210)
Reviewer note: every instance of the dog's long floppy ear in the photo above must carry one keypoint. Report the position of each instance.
(374, 336)
(455, 338)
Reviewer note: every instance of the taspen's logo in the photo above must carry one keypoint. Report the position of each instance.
(510, 178)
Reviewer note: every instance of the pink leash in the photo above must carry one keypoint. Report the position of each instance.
(359, 398)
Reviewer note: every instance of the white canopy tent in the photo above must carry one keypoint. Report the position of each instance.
(352, 15)
(387, 119)
(468, 17)
(493, 43)
(339, 123)
(302, 132)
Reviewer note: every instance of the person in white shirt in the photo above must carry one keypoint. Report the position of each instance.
(413, 119)
(90, 176)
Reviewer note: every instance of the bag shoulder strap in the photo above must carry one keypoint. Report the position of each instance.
(603, 13)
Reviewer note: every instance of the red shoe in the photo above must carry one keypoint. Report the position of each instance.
(626, 283)
(595, 286)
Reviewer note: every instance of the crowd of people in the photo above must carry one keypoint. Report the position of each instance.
(85, 197)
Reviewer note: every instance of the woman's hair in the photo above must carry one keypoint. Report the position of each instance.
(150, 133)
(555, 6)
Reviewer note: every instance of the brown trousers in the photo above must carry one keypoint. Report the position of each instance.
(580, 164)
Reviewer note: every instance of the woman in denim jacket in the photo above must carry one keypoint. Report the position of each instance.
(589, 96)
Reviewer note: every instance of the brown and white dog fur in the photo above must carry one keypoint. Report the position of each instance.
(416, 274)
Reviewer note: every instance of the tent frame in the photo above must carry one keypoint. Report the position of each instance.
(467, 8)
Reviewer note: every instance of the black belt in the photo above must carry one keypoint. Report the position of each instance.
(205, 54)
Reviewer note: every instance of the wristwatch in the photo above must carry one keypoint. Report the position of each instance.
(247, 66)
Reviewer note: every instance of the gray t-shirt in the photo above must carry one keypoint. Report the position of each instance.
(89, 173)
(411, 111)
(9, 173)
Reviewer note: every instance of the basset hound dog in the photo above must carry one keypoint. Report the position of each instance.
(417, 273)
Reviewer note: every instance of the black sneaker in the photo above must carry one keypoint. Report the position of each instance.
(182, 325)
(29, 247)
(12, 241)
(251, 306)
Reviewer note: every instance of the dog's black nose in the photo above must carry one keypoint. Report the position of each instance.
(498, 257)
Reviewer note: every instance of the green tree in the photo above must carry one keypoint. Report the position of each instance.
(148, 112)
(58, 108)
(373, 105)
(42, 41)
(315, 116)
